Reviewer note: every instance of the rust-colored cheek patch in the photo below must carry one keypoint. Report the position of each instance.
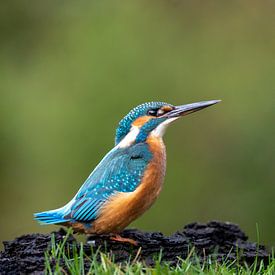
(141, 120)
(166, 108)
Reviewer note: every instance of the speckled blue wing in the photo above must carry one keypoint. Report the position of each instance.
(121, 170)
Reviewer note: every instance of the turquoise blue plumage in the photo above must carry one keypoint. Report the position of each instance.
(120, 171)
(129, 178)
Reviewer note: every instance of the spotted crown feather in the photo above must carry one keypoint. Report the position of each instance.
(125, 124)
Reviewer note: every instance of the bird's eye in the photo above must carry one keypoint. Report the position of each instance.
(152, 112)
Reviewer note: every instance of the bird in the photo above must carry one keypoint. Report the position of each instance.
(129, 179)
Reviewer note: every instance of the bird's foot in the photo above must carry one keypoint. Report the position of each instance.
(118, 238)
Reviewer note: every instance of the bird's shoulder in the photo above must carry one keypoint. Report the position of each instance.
(120, 170)
(119, 163)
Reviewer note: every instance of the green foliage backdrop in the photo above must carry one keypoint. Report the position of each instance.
(70, 70)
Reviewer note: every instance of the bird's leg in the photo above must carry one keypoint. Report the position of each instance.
(118, 238)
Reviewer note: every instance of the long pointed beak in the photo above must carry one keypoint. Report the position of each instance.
(187, 109)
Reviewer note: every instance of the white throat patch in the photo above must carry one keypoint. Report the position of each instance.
(160, 129)
(158, 132)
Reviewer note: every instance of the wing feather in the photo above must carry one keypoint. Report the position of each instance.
(120, 171)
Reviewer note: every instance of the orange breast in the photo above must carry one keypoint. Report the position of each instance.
(123, 208)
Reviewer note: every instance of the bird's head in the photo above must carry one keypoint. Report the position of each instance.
(152, 118)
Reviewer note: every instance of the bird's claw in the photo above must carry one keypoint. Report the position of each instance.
(118, 238)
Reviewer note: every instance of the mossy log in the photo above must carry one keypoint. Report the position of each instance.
(218, 240)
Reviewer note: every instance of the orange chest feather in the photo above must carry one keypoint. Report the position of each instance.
(123, 208)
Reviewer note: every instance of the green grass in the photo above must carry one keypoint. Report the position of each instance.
(59, 260)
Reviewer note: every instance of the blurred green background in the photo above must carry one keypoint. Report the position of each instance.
(70, 70)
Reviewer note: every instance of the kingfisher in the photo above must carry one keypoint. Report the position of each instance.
(128, 180)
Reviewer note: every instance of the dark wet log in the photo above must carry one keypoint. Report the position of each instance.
(219, 240)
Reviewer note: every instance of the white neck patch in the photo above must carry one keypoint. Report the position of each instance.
(130, 138)
(159, 131)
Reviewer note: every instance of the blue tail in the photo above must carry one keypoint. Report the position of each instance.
(50, 217)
